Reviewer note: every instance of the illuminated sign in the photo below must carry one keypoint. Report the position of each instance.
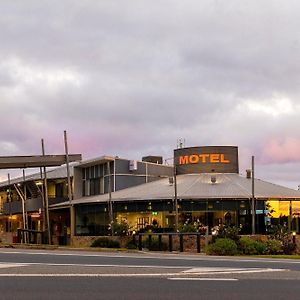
(208, 159)
(203, 158)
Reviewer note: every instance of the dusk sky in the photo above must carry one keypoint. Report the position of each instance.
(131, 77)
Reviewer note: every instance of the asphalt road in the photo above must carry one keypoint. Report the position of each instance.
(36, 274)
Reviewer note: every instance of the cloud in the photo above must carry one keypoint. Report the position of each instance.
(130, 78)
(282, 150)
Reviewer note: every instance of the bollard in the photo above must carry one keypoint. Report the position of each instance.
(159, 243)
(181, 242)
(170, 243)
(140, 242)
(149, 241)
(198, 243)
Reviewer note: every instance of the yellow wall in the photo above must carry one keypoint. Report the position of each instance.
(282, 208)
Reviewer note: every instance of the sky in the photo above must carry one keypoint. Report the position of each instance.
(132, 77)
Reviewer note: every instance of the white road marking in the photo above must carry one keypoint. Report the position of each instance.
(201, 270)
(91, 275)
(10, 265)
(203, 279)
(231, 270)
(206, 271)
(98, 265)
(195, 271)
(171, 256)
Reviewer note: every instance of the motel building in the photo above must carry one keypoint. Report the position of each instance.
(102, 175)
(208, 190)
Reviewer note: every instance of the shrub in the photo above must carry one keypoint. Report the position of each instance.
(261, 247)
(273, 247)
(282, 234)
(105, 242)
(120, 229)
(131, 245)
(222, 246)
(154, 246)
(249, 246)
(188, 228)
(229, 232)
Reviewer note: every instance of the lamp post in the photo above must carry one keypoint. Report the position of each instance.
(294, 237)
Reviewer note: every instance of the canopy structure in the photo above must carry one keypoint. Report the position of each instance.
(197, 186)
(36, 161)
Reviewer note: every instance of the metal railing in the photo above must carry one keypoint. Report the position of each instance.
(31, 236)
(170, 240)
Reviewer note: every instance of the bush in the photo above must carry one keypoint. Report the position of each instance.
(261, 247)
(105, 242)
(273, 247)
(131, 245)
(154, 246)
(229, 232)
(222, 246)
(249, 246)
(120, 229)
(282, 234)
(188, 228)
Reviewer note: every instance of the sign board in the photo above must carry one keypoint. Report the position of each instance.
(208, 159)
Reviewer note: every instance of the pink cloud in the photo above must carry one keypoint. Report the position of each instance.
(281, 150)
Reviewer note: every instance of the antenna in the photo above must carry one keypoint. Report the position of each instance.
(180, 143)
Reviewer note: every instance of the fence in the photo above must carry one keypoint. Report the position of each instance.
(170, 240)
(31, 236)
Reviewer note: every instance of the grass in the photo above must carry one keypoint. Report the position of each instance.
(279, 256)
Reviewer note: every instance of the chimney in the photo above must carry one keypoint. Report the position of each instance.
(248, 174)
(213, 179)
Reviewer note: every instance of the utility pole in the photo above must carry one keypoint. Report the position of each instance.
(253, 199)
(46, 208)
(175, 199)
(25, 209)
(110, 207)
(70, 196)
(9, 200)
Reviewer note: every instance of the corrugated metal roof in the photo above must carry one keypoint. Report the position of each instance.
(56, 173)
(199, 186)
(94, 161)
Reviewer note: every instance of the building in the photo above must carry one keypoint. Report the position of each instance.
(208, 190)
(103, 175)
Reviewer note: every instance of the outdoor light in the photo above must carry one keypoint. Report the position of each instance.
(214, 232)
(294, 237)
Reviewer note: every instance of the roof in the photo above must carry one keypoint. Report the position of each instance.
(56, 173)
(35, 161)
(94, 161)
(198, 186)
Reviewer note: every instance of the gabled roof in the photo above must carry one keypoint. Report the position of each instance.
(199, 186)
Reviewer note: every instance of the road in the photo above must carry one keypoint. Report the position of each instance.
(36, 274)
